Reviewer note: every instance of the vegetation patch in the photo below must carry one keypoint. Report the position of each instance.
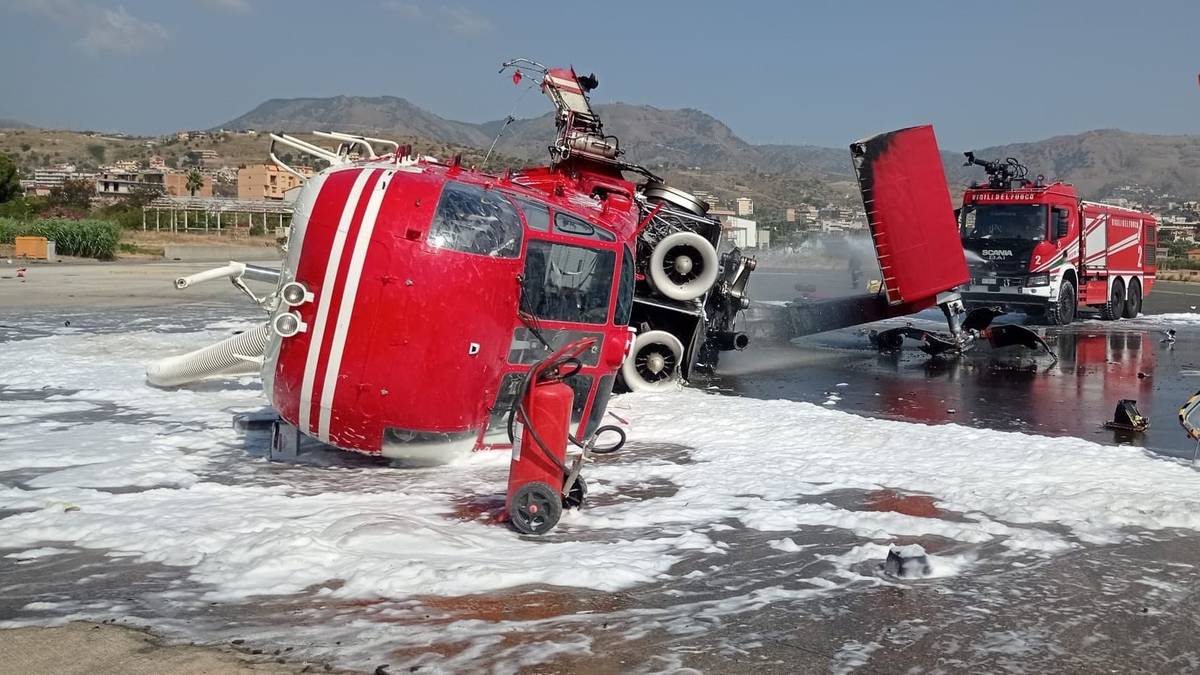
(82, 238)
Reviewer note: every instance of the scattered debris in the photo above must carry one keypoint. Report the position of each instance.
(1185, 414)
(1127, 418)
(907, 562)
(976, 326)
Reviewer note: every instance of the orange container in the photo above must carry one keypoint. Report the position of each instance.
(32, 247)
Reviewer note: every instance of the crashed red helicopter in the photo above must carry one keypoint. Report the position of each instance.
(426, 309)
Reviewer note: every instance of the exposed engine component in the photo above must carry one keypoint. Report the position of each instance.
(655, 363)
(658, 193)
(686, 284)
(683, 266)
(239, 354)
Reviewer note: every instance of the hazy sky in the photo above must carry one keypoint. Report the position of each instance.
(776, 72)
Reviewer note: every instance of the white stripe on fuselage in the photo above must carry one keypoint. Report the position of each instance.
(346, 309)
(331, 268)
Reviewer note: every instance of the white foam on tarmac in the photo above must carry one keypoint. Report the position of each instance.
(239, 527)
(756, 458)
(759, 463)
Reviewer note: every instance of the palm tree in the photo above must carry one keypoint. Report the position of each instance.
(195, 181)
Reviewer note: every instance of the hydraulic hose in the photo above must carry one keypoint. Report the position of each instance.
(237, 354)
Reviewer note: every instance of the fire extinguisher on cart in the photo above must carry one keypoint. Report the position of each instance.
(540, 480)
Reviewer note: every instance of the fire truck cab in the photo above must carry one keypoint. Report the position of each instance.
(1037, 248)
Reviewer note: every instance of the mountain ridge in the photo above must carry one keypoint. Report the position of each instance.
(686, 138)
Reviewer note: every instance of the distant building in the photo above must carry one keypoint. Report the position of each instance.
(45, 180)
(1193, 254)
(267, 181)
(803, 214)
(225, 174)
(745, 206)
(1180, 232)
(115, 184)
(742, 232)
(175, 184)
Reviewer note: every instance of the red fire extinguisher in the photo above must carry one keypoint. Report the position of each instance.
(540, 430)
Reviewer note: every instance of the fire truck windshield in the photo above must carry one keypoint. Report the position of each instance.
(1027, 222)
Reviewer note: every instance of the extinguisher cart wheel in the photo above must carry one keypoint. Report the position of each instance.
(536, 508)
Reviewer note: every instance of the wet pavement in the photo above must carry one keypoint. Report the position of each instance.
(1099, 363)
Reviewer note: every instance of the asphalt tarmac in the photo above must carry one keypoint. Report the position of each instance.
(1118, 608)
(1099, 363)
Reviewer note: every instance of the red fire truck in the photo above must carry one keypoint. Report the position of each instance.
(1037, 248)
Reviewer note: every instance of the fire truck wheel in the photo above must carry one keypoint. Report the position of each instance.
(655, 363)
(1062, 312)
(576, 495)
(1133, 300)
(683, 266)
(536, 508)
(1115, 307)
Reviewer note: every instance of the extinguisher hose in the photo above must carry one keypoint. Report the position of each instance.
(605, 449)
(557, 371)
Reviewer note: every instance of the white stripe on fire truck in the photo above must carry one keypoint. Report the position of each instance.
(331, 268)
(1068, 255)
(1126, 242)
(346, 309)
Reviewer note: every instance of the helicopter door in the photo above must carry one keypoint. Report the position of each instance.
(567, 291)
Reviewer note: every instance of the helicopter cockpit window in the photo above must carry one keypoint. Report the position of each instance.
(625, 291)
(567, 283)
(580, 228)
(536, 215)
(473, 220)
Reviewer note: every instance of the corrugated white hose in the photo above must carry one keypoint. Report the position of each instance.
(237, 354)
